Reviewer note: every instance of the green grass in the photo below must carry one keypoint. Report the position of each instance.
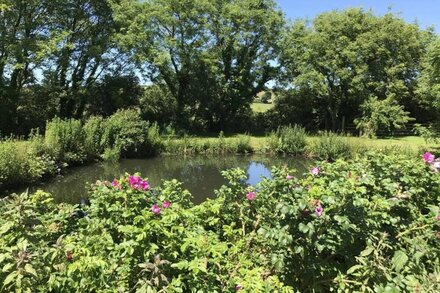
(357, 144)
(261, 107)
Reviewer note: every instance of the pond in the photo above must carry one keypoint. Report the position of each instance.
(201, 175)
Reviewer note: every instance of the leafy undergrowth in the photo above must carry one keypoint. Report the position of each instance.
(371, 224)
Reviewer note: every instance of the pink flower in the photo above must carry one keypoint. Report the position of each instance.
(144, 185)
(289, 177)
(166, 204)
(251, 195)
(156, 209)
(135, 182)
(318, 210)
(315, 171)
(428, 157)
(116, 184)
(238, 287)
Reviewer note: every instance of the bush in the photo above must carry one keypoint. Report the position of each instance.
(126, 134)
(161, 243)
(94, 131)
(243, 144)
(370, 224)
(24, 162)
(288, 140)
(329, 146)
(65, 140)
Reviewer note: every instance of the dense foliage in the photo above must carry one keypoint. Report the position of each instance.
(69, 142)
(343, 59)
(200, 64)
(371, 224)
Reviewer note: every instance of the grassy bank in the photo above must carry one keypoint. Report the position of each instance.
(259, 144)
(125, 135)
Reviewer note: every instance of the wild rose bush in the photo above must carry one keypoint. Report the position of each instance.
(370, 224)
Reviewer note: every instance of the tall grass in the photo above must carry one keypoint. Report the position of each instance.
(329, 146)
(69, 142)
(212, 146)
(288, 140)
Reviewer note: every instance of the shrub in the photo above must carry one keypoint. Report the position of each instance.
(24, 162)
(126, 134)
(132, 238)
(11, 162)
(94, 131)
(65, 140)
(356, 226)
(155, 141)
(243, 144)
(288, 140)
(381, 114)
(330, 146)
(366, 225)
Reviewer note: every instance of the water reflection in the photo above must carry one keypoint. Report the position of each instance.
(201, 175)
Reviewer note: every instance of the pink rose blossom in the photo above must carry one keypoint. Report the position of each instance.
(318, 210)
(428, 157)
(315, 171)
(116, 184)
(135, 181)
(238, 287)
(144, 185)
(156, 209)
(251, 195)
(166, 204)
(289, 177)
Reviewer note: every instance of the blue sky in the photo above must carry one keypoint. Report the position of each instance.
(426, 12)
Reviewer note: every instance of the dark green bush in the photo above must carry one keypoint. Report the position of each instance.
(127, 135)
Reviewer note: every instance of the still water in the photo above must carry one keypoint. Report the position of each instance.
(201, 175)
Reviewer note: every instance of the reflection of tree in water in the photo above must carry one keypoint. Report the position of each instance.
(199, 174)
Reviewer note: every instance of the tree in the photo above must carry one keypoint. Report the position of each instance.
(83, 51)
(429, 84)
(54, 50)
(344, 57)
(22, 38)
(214, 56)
(381, 114)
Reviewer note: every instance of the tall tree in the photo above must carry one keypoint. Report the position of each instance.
(346, 57)
(23, 27)
(214, 56)
(429, 84)
(82, 35)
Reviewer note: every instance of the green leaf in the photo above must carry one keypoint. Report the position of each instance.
(399, 260)
(353, 269)
(30, 269)
(367, 251)
(11, 277)
(6, 227)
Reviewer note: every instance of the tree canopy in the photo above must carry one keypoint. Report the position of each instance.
(343, 58)
(199, 65)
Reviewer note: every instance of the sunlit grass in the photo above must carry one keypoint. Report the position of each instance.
(357, 144)
(261, 107)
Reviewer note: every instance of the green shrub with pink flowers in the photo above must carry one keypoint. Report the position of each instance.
(371, 224)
